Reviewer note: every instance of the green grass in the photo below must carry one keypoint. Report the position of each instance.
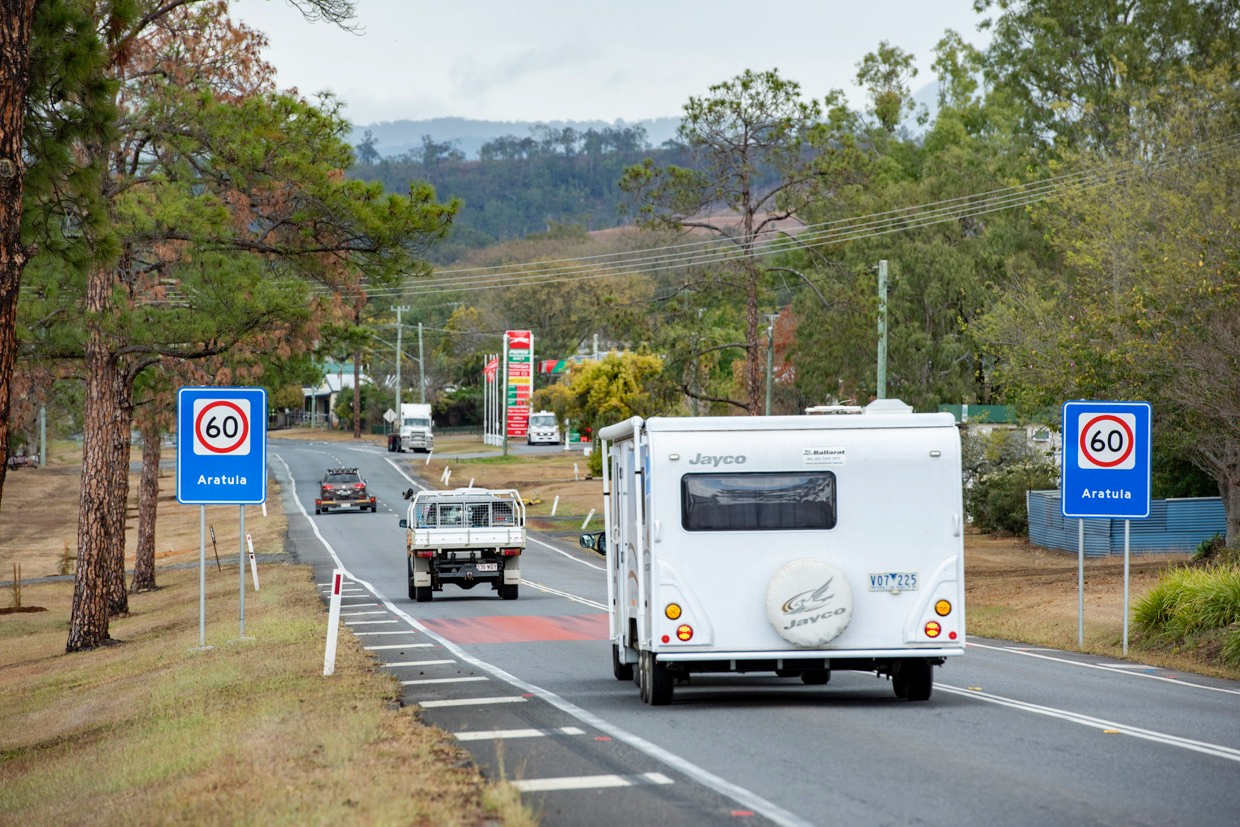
(1189, 601)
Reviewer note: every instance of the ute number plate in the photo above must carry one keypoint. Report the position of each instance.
(487, 566)
(894, 581)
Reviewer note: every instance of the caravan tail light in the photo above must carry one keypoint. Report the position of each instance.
(943, 608)
(684, 631)
(672, 611)
(933, 629)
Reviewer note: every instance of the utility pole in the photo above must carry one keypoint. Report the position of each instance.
(399, 309)
(882, 330)
(770, 358)
(421, 368)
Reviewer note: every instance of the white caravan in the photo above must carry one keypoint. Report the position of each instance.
(789, 544)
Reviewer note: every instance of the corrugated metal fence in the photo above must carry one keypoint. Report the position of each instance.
(1173, 526)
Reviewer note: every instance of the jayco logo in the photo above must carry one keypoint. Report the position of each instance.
(716, 461)
(818, 600)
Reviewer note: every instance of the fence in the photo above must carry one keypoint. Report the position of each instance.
(1179, 525)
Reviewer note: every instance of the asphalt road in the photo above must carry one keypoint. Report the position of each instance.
(1012, 735)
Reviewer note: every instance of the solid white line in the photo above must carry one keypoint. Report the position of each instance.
(443, 680)
(585, 563)
(1116, 670)
(507, 699)
(499, 734)
(419, 663)
(1216, 750)
(573, 597)
(587, 782)
(394, 645)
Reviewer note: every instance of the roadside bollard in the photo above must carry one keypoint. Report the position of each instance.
(333, 622)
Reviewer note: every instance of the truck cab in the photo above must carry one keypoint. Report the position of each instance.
(543, 429)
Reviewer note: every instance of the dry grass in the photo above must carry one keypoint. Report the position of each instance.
(155, 730)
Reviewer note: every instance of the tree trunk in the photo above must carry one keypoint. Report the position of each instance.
(753, 353)
(357, 395)
(16, 17)
(148, 499)
(88, 619)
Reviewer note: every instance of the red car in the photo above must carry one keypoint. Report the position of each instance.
(343, 489)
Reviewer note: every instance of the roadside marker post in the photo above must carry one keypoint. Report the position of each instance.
(249, 541)
(1106, 473)
(589, 517)
(333, 622)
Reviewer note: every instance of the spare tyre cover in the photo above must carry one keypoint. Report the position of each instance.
(809, 603)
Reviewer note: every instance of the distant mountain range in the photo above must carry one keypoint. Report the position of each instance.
(397, 137)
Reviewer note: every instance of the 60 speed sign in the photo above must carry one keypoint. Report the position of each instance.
(1107, 440)
(221, 426)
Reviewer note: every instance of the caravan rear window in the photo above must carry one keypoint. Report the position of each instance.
(758, 501)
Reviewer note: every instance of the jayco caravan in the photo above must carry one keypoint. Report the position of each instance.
(796, 545)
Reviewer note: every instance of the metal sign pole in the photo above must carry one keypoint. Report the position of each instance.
(1127, 525)
(202, 576)
(1080, 584)
(241, 568)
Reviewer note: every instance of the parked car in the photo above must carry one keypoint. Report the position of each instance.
(343, 489)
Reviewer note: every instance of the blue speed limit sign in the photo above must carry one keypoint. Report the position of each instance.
(1106, 459)
(221, 446)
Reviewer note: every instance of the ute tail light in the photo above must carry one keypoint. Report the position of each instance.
(510, 552)
(359, 485)
(427, 554)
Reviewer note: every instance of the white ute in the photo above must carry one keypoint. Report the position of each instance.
(464, 536)
(789, 544)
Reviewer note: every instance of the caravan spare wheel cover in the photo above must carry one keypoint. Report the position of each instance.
(809, 603)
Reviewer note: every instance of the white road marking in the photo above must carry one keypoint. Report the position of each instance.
(506, 699)
(1216, 750)
(1118, 670)
(443, 680)
(369, 622)
(587, 782)
(420, 663)
(361, 614)
(506, 734)
(401, 632)
(394, 645)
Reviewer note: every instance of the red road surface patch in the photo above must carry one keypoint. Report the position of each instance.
(526, 629)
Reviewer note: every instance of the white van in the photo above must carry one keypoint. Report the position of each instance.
(789, 544)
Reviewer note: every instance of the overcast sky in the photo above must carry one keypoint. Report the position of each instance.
(586, 59)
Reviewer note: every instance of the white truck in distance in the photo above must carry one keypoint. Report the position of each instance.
(413, 431)
(464, 537)
(796, 545)
(543, 429)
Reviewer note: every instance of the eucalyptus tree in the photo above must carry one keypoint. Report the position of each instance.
(759, 156)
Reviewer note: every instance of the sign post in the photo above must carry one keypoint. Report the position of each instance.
(221, 460)
(1107, 448)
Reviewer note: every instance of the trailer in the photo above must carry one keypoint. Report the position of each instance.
(464, 537)
(797, 545)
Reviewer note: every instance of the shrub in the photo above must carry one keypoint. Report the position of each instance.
(1189, 600)
(996, 501)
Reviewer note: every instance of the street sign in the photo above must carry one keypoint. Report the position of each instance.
(221, 446)
(1106, 459)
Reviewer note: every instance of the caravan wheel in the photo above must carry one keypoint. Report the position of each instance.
(657, 683)
(918, 680)
(622, 671)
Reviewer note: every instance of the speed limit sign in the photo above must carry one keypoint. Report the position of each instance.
(221, 446)
(222, 426)
(1106, 459)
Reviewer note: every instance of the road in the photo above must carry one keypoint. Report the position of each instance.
(1012, 735)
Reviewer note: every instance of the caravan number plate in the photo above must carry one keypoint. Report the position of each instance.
(487, 566)
(894, 581)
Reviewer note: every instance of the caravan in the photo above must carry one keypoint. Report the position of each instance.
(796, 545)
